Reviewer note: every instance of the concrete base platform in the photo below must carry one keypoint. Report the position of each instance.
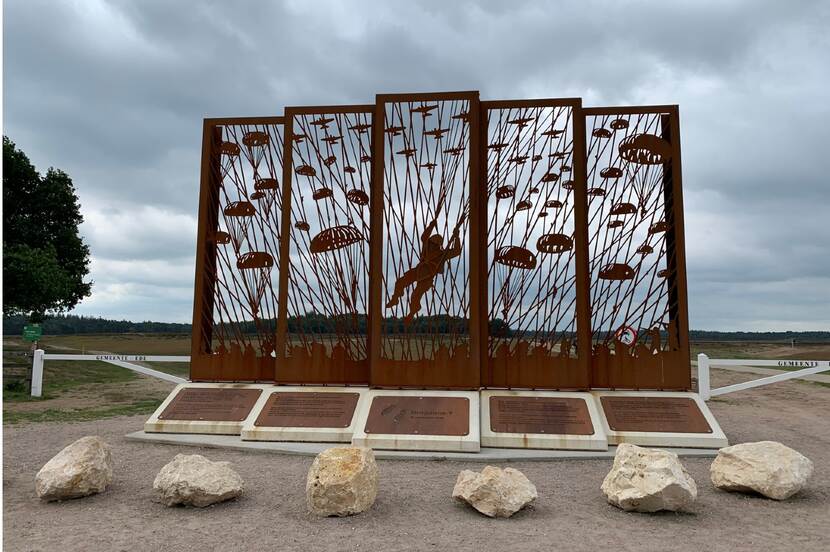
(419, 420)
(312, 449)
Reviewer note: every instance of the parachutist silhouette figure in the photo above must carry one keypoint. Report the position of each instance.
(433, 259)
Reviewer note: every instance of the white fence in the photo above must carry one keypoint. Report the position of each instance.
(124, 361)
(809, 367)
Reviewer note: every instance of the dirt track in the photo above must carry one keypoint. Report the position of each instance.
(414, 510)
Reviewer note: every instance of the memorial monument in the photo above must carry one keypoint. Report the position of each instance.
(438, 272)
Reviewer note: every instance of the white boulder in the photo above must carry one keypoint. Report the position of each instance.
(81, 469)
(766, 467)
(495, 492)
(193, 480)
(342, 481)
(648, 480)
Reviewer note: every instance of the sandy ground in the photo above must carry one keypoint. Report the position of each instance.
(414, 510)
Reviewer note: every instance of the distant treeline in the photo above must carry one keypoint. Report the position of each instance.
(812, 337)
(318, 323)
(65, 324)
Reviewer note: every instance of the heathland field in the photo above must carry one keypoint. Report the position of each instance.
(75, 391)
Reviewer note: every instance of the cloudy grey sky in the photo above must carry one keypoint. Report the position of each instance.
(114, 93)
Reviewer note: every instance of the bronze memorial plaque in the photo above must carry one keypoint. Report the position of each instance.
(211, 404)
(550, 415)
(655, 414)
(393, 415)
(299, 409)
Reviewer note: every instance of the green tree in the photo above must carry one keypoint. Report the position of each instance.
(44, 258)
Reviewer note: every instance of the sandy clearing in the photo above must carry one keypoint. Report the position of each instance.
(414, 510)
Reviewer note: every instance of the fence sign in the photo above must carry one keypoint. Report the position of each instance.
(32, 332)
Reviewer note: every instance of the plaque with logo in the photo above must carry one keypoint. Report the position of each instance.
(537, 415)
(311, 409)
(211, 404)
(654, 414)
(407, 415)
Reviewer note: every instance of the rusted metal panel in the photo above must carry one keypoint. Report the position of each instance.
(654, 414)
(535, 287)
(548, 415)
(636, 252)
(211, 404)
(324, 274)
(427, 415)
(235, 301)
(425, 327)
(308, 409)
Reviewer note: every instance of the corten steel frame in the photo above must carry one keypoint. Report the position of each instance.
(324, 269)
(639, 317)
(425, 319)
(537, 315)
(435, 241)
(235, 301)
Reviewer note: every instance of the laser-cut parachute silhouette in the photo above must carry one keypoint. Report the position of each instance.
(255, 268)
(238, 216)
(255, 143)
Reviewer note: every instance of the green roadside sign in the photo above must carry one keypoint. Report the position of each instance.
(32, 332)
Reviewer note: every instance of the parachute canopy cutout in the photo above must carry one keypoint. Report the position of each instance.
(515, 257)
(658, 227)
(623, 209)
(229, 148)
(321, 193)
(616, 271)
(553, 204)
(358, 197)
(619, 124)
(335, 237)
(615, 224)
(258, 195)
(663, 273)
(644, 149)
(568, 185)
(330, 160)
(221, 237)
(611, 172)
(524, 205)
(645, 249)
(504, 192)
(550, 177)
(255, 267)
(349, 169)
(596, 192)
(255, 139)
(554, 243)
(306, 170)
(255, 259)
(265, 184)
(601, 133)
(239, 209)
(302, 225)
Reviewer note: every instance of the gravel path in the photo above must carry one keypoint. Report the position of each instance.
(414, 510)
